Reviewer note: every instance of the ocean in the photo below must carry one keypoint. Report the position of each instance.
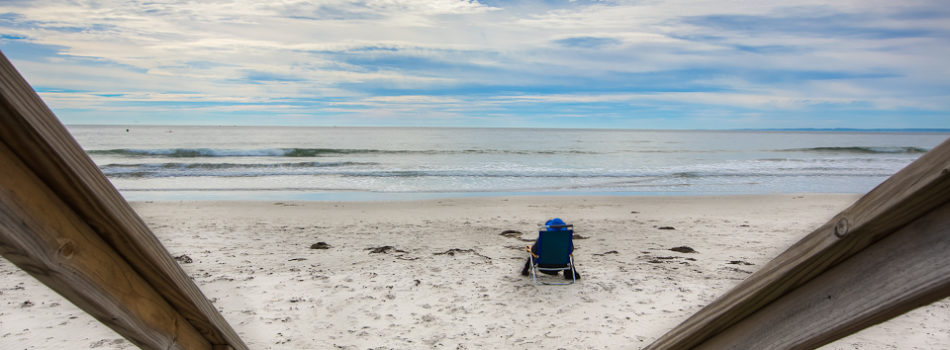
(343, 163)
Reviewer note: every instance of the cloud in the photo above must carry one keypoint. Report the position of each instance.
(483, 60)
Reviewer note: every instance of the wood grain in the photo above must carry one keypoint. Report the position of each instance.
(35, 135)
(49, 241)
(911, 193)
(905, 270)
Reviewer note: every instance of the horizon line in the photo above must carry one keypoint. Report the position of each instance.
(868, 130)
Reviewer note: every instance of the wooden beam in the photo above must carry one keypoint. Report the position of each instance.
(913, 192)
(45, 238)
(903, 271)
(33, 133)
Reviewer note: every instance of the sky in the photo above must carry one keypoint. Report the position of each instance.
(567, 64)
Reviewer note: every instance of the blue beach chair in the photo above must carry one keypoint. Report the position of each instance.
(553, 251)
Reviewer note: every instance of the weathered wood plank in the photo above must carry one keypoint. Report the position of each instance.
(45, 238)
(905, 270)
(32, 132)
(912, 192)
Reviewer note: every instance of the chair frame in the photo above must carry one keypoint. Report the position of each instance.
(535, 268)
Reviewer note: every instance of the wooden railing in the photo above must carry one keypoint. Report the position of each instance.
(883, 256)
(65, 224)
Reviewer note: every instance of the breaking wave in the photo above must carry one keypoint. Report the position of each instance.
(303, 152)
(860, 150)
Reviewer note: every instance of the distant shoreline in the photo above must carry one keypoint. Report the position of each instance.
(365, 196)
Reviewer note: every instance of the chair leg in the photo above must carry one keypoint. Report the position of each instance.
(573, 273)
(534, 269)
(534, 272)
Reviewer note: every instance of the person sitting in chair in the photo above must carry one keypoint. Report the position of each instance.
(555, 224)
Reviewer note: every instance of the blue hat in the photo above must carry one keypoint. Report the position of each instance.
(554, 222)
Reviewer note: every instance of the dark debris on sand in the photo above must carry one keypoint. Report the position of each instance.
(511, 233)
(605, 253)
(320, 245)
(386, 249)
(515, 234)
(184, 259)
(453, 251)
(683, 249)
(665, 259)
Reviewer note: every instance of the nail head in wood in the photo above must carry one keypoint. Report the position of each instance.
(67, 249)
(841, 228)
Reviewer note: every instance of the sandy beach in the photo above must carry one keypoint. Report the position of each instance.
(440, 273)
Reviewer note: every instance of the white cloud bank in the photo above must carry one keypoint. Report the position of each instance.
(525, 61)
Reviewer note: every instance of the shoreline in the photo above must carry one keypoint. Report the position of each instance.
(304, 196)
(450, 280)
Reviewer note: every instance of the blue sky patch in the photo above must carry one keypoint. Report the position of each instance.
(588, 42)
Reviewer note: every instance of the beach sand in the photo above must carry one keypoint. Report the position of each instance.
(440, 274)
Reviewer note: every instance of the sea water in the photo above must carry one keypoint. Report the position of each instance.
(329, 163)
